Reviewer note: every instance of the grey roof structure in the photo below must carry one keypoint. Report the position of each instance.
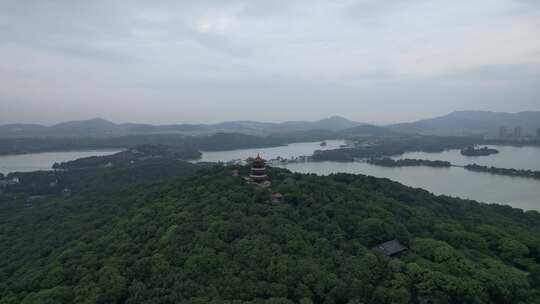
(390, 248)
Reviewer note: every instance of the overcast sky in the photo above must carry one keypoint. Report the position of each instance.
(209, 61)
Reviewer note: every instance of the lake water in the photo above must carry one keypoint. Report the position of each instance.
(44, 161)
(508, 157)
(291, 150)
(518, 192)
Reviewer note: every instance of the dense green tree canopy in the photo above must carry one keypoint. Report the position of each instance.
(212, 238)
(210, 142)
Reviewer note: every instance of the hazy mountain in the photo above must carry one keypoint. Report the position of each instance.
(334, 123)
(252, 127)
(472, 122)
(90, 127)
(18, 130)
(369, 130)
(102, 127)
(455, 123)
(147, 128)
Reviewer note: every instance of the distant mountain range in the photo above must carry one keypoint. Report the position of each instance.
(455, 123)
(472, 122)
(102, 127)
(369, 130)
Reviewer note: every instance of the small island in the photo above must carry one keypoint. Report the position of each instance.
(504, 171)
(407, 162)
(386, 147)
(484, 151)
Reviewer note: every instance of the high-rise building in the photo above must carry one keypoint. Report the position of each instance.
(518, 132)
(538, 132)
(503, 132)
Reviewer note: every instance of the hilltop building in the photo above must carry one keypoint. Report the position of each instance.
(276, 197)
(258, 170)
(390, 248)
(9, 181)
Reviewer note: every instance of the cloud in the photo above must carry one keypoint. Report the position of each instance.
(375, 13)
(298, 54)
(208, 37)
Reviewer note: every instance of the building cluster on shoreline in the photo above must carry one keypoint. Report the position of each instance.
(6, 181)
(515, 133)
(274, 161)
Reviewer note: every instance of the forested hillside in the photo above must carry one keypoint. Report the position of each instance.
(99, 127)
(212, 238)
(472, 122)
(213, 142)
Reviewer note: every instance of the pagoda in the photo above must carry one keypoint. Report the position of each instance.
(258, 170)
